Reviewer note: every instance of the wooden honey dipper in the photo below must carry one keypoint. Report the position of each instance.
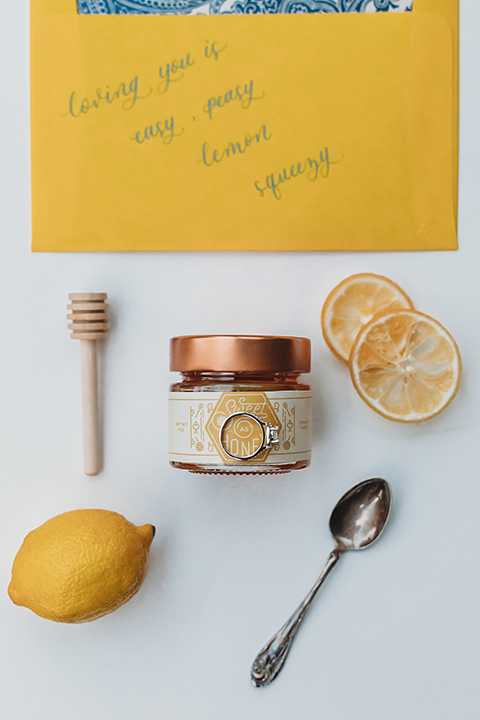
(89, 322)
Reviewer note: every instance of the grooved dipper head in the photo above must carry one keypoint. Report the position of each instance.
(89, 317)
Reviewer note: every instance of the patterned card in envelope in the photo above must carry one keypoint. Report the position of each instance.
(238, 7)
(244, 124)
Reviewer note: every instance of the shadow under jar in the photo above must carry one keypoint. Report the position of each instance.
(240, 407)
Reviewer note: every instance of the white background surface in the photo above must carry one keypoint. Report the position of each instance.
(394, 633)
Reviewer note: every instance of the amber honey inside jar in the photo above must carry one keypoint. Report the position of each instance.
(240, 406)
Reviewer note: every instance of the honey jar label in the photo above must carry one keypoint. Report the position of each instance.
(214, 428)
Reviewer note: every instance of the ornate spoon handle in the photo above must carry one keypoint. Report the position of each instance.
(271, 658)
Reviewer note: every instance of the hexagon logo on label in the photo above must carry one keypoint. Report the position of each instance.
(242, 436)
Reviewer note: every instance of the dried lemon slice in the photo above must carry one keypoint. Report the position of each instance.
(406, 366)
(353, 303)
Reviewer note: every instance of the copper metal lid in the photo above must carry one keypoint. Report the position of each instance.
(240, 353)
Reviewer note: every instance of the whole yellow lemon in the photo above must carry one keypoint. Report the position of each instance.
(80, 565)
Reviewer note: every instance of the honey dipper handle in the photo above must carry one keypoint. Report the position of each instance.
(92, 460)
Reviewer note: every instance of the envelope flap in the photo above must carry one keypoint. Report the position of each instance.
(447, 8)
(53, 7)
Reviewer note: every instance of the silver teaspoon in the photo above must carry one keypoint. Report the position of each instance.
(357, 520)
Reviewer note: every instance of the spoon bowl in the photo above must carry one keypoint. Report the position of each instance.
(359, 517)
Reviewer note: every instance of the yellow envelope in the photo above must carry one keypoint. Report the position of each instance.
(281, 132)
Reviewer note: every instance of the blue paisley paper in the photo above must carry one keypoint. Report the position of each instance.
(237, 7)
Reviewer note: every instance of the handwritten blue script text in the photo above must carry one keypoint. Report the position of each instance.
(164, 130)
(127, 93)
(173, 71)
(241, 93)
(209, 158)
(312, 168)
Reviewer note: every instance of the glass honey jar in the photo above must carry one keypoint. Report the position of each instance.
(240, 406)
